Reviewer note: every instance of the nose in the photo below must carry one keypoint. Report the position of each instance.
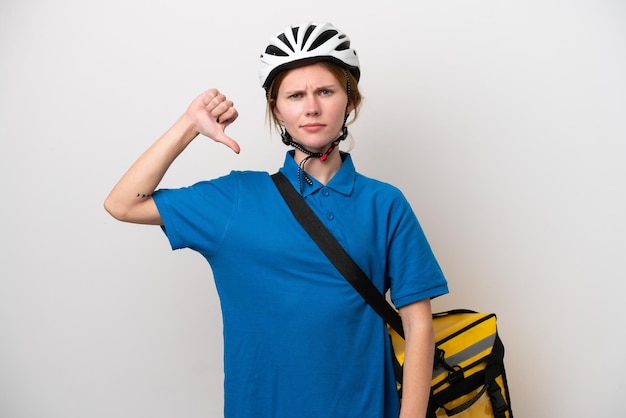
(312, 107)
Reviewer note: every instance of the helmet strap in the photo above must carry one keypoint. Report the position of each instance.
(323, 156)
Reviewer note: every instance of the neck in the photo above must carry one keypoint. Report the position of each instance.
(322, 171)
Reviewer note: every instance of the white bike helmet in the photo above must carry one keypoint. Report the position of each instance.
(305, 44)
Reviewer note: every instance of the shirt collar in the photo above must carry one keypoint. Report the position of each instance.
(342, 182)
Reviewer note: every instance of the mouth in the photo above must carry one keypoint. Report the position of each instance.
(312, 127)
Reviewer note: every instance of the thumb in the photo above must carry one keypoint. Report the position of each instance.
(222, 138)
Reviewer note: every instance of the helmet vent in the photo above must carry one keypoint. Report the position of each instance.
(342, 46)
(276, 51)
(322, 38)
(283, 38)
(308, 32)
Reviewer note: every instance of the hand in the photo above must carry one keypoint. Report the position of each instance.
(211, 113)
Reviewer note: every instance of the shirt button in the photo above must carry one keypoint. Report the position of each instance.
(330, 216)
(325, 193)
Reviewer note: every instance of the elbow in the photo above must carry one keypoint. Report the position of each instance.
(114, 209)
(133, 212)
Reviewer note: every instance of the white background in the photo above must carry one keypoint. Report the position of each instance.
(503, 122)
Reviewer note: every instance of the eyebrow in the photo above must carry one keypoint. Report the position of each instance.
(323, 87)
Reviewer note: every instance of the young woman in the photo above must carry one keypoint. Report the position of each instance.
(299, 341)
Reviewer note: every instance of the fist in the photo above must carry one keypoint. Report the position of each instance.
(211, 112)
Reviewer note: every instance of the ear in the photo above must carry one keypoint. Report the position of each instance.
(277, 114)
(350, 108)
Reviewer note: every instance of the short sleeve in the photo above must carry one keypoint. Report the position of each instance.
(412, 268)
(198, 216)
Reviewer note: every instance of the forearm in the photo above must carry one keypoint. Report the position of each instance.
(127, 199)
(418, 360)
(131, 198)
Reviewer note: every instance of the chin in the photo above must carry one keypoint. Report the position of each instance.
(317, 143)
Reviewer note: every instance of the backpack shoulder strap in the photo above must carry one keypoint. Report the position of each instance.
(336, 253)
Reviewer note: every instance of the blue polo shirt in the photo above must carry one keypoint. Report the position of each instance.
(298, 339)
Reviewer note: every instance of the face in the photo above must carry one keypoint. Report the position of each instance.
(311, 104)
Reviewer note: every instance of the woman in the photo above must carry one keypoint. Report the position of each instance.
(299, 341)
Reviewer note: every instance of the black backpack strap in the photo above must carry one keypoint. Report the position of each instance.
(336, 253)
(494, 369)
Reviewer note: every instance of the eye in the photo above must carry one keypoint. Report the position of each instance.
(326, 92)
